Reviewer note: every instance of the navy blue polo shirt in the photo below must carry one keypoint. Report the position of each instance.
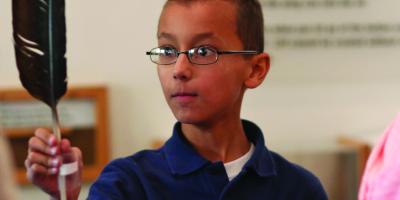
(177, 172)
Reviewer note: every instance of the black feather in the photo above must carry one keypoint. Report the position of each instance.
(40, 45)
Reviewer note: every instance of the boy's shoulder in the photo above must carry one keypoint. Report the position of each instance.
(137, 164)
(299, 179)
(285, 167)
(138, 159)
(120, 173)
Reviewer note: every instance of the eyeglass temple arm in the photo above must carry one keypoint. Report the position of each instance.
(219, 52)
(239, 52)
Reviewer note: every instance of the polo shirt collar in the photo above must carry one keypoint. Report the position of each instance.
(261, 161)
(183, 159)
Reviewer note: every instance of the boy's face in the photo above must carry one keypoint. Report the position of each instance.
(202, 94)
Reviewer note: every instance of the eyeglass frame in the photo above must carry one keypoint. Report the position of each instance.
(187, 52)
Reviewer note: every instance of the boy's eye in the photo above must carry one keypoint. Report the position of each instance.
(167, 51)
(205, 51)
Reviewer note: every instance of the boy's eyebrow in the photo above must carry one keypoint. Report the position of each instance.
(197, 37)
(202, 36)
(166, 36)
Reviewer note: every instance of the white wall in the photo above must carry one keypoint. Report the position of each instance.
(317, 93)
(310, 95)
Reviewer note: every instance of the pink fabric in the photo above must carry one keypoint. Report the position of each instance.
(381, 179)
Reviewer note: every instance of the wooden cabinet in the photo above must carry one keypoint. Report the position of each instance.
(84, 121)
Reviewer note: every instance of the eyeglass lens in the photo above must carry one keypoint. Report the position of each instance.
(199, 55)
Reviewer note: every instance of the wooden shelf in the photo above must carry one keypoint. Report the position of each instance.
(27, 132)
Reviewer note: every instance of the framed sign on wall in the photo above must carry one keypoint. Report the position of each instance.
(84, 121)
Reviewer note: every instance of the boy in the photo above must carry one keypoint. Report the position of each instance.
(210, 52)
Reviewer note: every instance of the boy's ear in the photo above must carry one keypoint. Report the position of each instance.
(259, 69)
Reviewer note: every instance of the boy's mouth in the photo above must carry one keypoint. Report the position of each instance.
(183, 94)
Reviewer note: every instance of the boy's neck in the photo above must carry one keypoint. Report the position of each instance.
(223, 141)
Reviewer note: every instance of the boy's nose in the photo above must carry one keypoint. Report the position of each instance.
(183, 68)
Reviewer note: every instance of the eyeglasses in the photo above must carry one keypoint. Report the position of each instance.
(202, 55)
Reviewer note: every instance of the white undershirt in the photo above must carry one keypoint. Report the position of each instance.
(234, 167)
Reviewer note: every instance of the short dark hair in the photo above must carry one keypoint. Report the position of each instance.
(249, 22)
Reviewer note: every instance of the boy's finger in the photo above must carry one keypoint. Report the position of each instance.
(71, 154)
(77, 152)
(46, 161)
(74, 154)
(37, 170)
(65, 146)
(77, 155)
(46, 136)
(38, 145)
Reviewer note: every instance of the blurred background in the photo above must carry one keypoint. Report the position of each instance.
(332, 89)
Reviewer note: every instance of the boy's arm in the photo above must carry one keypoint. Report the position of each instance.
(43, 162)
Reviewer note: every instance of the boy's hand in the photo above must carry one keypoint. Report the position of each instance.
(43, 162)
